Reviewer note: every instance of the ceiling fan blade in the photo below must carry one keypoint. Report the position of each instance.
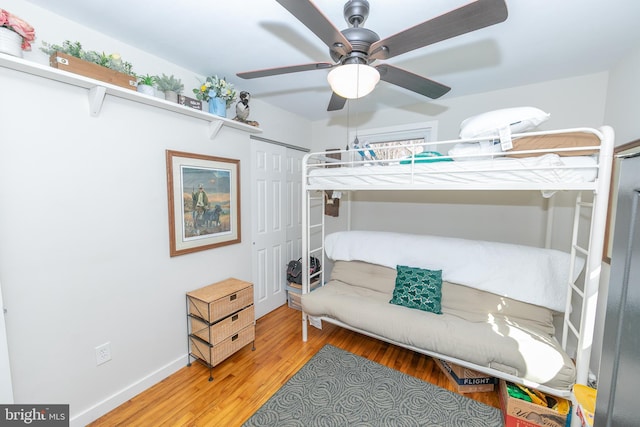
(284, 70)
(318, 23)
(412, 82)
(336, 102)
(471, 17)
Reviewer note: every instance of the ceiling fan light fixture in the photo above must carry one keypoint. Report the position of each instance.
(353, 81)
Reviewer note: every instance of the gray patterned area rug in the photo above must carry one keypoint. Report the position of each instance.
(337, 388)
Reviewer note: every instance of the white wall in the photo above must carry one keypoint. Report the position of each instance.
(577, 101)
(507, 216)
(84, 255)
(6, 385)
(623, 98)
(53, 28)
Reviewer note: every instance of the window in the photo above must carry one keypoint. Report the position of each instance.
(397, 149)
(394, 142)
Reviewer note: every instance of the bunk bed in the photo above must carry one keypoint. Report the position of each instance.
(577, 160)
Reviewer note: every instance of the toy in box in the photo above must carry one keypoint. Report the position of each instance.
(527, 407)
(586, 399)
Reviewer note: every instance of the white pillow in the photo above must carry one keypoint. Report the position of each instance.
(489, 124)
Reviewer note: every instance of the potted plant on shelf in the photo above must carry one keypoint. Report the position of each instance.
(170, 85)
(16, 35)
(112, 61)
(219, 93)
(110, 68)
(145, 84)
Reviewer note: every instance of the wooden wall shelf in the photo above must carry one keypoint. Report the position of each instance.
(97, 91)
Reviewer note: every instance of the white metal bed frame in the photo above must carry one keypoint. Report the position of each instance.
(313, 225)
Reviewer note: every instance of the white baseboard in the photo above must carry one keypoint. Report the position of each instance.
(99, 409)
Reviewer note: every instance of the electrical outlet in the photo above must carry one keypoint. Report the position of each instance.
(103, 353)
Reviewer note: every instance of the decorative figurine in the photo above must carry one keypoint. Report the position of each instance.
(242, 109)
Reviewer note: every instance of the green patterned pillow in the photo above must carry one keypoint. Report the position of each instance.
(418, 288)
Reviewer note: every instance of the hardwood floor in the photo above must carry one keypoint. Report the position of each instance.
(247, 379)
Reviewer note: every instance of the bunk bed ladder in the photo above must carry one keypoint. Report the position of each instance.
(587, 294)
(573, 287)
(310, 229)
(593, 265)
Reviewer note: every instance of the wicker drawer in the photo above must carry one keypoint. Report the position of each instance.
(219, 300)
(224, 328)
(214, 354)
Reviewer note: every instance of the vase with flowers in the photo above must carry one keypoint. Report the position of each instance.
(16, 34)
(218, 92)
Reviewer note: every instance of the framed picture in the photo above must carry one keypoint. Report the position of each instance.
(204, 202)
(621, 150)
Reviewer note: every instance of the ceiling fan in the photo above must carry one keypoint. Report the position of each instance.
(356, 48)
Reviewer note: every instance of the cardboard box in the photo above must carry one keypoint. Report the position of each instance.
(65, 62)
(520, 413)
(189, 102)
(294, 291)
(467, 380)
(293, 299)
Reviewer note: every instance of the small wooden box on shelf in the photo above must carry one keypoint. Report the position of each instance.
(294, 290)
(221, 321)
(72, 64)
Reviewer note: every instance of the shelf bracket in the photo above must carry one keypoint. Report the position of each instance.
(96, 98)
(214, 128)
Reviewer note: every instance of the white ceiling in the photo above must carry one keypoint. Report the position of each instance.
(540, 40)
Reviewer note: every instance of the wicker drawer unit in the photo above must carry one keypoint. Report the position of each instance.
(221, 320)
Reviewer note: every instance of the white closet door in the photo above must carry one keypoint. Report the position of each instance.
(276, 220)
(268, 217)
(294, 204)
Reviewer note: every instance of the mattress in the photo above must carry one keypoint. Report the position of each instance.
(549, 168)
(476, 326)
(541, 274)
